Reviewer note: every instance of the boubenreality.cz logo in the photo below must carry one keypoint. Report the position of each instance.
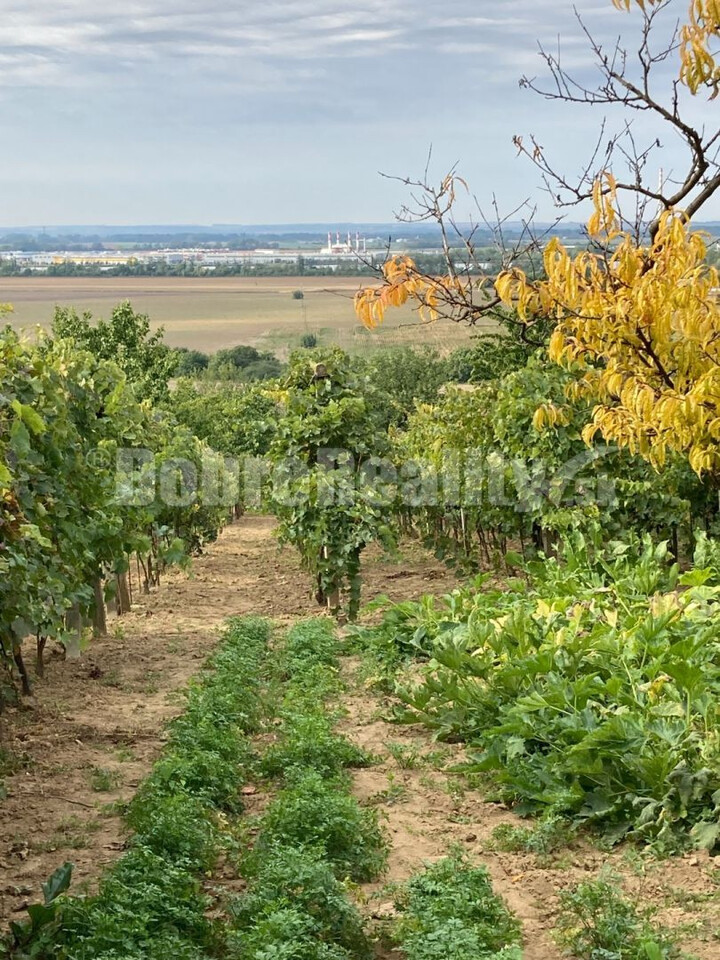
(459, 479)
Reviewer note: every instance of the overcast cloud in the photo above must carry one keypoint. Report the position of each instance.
(278, 111)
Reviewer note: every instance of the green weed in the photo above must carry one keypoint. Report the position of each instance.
(103, 780)
(544, 838)
(598, 923)
(406, 757)
(113, 679)
(309, 643)
(395, 792)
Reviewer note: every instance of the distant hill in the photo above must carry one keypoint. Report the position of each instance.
(281, 233)
(106, 231)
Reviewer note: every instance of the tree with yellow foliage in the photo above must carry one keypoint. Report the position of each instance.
(637, 314)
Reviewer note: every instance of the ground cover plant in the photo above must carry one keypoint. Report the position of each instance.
(589, 691)
(313, 840)
(314, 835)
(308, 741)
(315, 808)
(320, 813)
(449, 912)
(297, 907)
(153, 904)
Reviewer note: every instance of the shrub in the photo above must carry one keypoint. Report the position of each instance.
(244, 363)
(189, 363)
(402, 377)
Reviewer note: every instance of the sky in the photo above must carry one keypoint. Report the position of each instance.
(283, 111)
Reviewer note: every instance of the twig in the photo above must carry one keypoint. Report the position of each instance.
(78, 803)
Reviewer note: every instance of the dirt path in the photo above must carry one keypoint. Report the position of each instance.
(94, 728)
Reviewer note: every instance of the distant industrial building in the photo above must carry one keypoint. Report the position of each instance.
(335, 251)
(343, 248)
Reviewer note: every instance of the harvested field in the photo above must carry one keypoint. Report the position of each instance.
(214, 312)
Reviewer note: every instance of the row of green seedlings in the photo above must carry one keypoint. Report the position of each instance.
(447, 912)
(313, 842)
(152, 904)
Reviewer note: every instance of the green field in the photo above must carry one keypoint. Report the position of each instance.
(212, 313)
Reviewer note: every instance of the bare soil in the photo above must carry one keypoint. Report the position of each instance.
(95, 726)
